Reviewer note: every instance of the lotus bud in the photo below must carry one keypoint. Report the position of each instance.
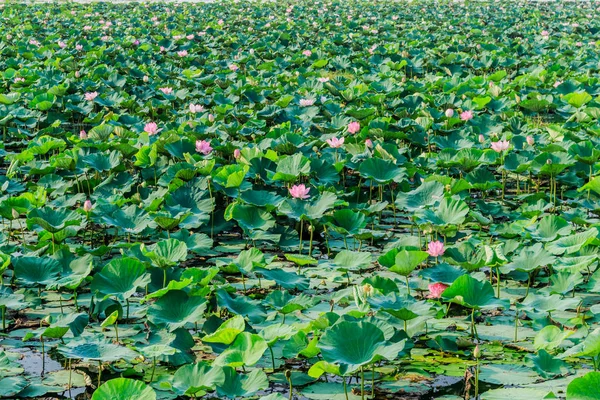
(237, 154)
(448, 188)
(87, 206)
(77, 74)
(481, 139)
(288, 374)
(211, 118)
(82, 134)
(369, 143)
(449, 113)
(15, 213)
(145, 78)
(548, 161)
(477, 352)
(367, 289)
(530, 140)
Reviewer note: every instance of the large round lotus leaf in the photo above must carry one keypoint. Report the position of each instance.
(33, 271)
(11, 300)
(96, 349)
(469, 292)
(589, 347)
(381, 171)
(124, 389)
(167, 252)
(227, 331)
(242, 385)
(53, 220)
(175, 309)
(120, 278)
(246, 350)
(354, 344)
(586, 387)
(196, 379)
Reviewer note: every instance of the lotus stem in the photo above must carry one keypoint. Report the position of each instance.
(516, 324)
(153, 368)
(43, 355)
(345, 387)
(99, 372)
(498, 282)
(3, 308)
(117, 331)
(474, 333)
(272, 357)
(362, 383)
(310, 246)
(407, 285)
(164, 277)
(300, 238)
(127, 312)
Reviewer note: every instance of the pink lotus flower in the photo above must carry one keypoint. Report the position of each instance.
(62, 44)
(151, 128)
(90, 96)
(323, 79)
(466, 115)
(237, 154)
(162, 49)
(87, 206)
(369, 143)
(233, 67)
(557, 84)
(353, 127)
(449, 113)
(435, 248)
(34, 42)
(530, 140)
(299, 192)
(545, 33)
(78, 47)
(436, 290)
(87, 28)
(220, 22)
(196, 108)
(202, 146)
(481, 139)
(166, 90)
(136, 42)
(306, 102)
(82, 134)
(182, 53)
(307, 53)
(500, 146)
(189, 37)
(19, 79)
(335, 143)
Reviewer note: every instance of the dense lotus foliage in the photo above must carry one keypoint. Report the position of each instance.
(300, 200)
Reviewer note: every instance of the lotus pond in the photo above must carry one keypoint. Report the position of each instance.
(300, 200)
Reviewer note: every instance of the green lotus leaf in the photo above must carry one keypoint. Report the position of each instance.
(120, 278)
(124, 389)
(471, 293)
(176, 309)
(227, 331)
(167, 252)
(246, 350)
(585, 387)
(196, 379)
(353, 345)
(53, 220)
(34, 271)
(381, 171)
(242, 385)
(407, 260)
